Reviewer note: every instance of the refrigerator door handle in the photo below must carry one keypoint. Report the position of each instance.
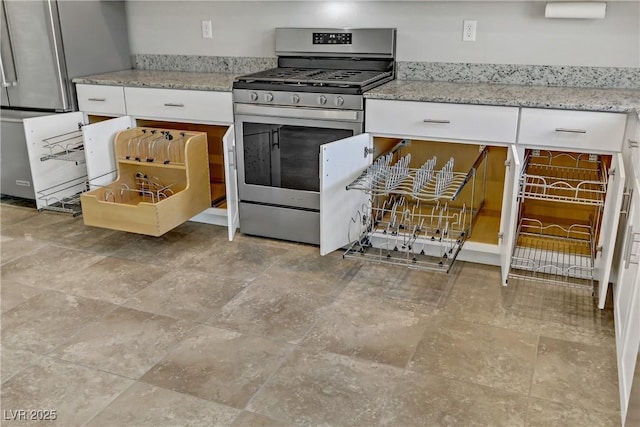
(9, 45)
(57, 47)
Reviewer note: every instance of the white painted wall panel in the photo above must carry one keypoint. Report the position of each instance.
(509, 32)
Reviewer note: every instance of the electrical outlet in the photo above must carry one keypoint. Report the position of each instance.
(469, 31)
(207, 29)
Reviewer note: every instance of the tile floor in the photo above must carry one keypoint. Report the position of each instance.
(114, 329)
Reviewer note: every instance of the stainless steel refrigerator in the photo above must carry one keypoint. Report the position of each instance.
(44, 45)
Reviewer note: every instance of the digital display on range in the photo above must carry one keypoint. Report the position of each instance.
(332, 38)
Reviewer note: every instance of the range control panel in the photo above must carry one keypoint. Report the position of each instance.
(332, 38)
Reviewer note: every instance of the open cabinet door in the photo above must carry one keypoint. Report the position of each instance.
(509, 216)
(56, 157)
(626, 304)
(231, 181)
(610, 220)
(100, 151)
(341, 162)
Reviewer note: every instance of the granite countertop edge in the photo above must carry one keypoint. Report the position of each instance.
(507, 95)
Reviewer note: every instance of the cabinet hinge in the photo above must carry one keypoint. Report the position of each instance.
(368, 151)
(612, 171)
(632, 143)
(500, 236)
(599, 249)
(507, 163)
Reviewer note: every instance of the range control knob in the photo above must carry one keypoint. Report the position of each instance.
(322, 100)
(268, 97)
(295, 98)
(339, 101)
(254, 96)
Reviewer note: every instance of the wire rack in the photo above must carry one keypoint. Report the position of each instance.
(554, 254)
(411, 234)
(142, 188)
(424, 183)
(65, 196)
(564, 177)
(153, 146)
(67, 147)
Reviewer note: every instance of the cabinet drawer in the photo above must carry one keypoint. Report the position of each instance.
(442, 121)
(101, 99)
(584, 130)
(192, 105)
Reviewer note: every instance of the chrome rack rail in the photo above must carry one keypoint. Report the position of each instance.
(424, 183)
(67, 147)
(64, 197)
(554, 254)
(564, 177)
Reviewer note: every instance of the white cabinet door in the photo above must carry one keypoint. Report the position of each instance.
(627, 300)
(57, 162)
(509, 214)
(341, 162)
(64, 154)
(99, 149)
(231, 180)
(610, 220)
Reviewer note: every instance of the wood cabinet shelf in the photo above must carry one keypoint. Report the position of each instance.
(151, 197)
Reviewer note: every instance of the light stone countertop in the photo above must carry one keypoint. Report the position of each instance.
(217, 82)
(569, 98)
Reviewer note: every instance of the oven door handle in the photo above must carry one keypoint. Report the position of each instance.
(299, 113)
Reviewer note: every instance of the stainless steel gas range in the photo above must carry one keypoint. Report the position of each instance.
(284, 115)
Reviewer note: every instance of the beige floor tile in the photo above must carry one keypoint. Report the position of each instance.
(148, 249)
(302, 267)
(75, 393)
(15, 247)
(125, 342)
(270, 311)
(48, 319)
(144, 405)
(250, 419)
(543, 413)
(14, 293)
(111, 279)
(72, 233)
(27, 223)
(363, 327)
(186, 294)
(535, 308)
(481, 354)
(431, 400)
(218, 365)
(111, 243)
(10, 215)
(236, 260)
(327, 389)
(52, 260)
(14, 360)
(577, 374)
(410, 289)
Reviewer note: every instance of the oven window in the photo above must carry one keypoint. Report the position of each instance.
(285, 156)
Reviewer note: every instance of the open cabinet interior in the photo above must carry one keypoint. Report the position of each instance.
(215, 154)
(426, 200)
(561, 202)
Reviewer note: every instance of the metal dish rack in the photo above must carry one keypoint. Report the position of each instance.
(552, 250)
(64, 195)
(410, 219)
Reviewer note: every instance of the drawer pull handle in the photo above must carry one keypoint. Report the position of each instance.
(98, 99)
(170, 104)
(444, 122)
(571, 130)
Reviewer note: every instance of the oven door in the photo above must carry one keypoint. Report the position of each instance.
(278, 151)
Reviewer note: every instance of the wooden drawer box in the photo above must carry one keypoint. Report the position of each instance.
(191, 105)
(582, 130)
(440, 121)
(97, 99)
(161, 183)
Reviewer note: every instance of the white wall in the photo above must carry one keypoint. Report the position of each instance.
(509, 32)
